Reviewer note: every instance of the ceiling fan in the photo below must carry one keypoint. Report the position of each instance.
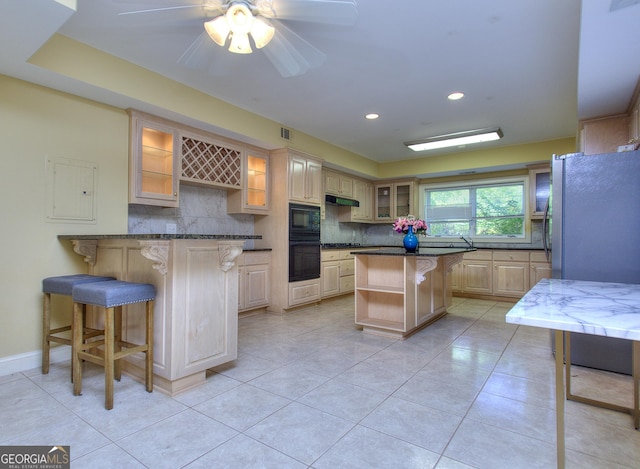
(237, 24)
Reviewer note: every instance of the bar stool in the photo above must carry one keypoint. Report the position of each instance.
(62, 285)
(111, 296)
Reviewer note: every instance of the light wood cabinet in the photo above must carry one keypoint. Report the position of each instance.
(510, 273)
(474, 273)
(338, 184)
(396, 295)
(274, 228)
(604, 135)
(363, 193)
(338, 270)
(539, 189)
(153, 161)
(253, 198)
(393, 200)
(540, 268)
(305, 179)
(253, 280)
(499, 273)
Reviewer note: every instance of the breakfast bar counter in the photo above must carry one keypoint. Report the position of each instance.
(598, 308)
(398, 293)
(196, 306)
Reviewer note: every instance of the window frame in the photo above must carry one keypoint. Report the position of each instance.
(524, 180)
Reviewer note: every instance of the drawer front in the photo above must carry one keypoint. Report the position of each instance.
(538, 256)
(257, 258)
(347, 284)
(347, 267)
(331, 255)
(304, 292)
(478, 255)
(346, 255)
(517, 256)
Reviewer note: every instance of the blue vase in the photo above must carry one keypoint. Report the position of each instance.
(410, 240)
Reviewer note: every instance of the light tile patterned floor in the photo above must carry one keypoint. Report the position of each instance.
(309, 390)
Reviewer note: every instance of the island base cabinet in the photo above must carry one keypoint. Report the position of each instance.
(397, 295)
(195, 310)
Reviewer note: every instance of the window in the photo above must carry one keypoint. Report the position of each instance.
(485, 210)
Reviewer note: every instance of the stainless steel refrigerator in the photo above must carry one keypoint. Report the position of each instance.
(596, 236)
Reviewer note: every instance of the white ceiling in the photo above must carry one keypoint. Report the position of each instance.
(525, 66)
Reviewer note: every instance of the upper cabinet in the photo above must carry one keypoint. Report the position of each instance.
(539, 189)
(305, 178)
(604, 135)
(254, 195)
(338, 184)
(394, 199)
(153, 161)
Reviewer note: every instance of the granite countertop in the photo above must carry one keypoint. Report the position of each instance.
(597, 308)
(422, 252)
(158, 236)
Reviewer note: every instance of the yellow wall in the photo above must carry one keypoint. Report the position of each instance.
(36, 122)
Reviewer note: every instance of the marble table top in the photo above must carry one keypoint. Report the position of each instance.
(598, 308)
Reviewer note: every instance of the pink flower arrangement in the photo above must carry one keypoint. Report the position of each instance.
(401, 225)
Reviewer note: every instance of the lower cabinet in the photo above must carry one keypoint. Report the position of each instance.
(502, 273)
(305, 291)
(337, 272)
(253, 280)
(540, 268)
(510, 273)
(473, 274)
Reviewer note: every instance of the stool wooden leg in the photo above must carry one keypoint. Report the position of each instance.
(76, 345)
(108, 357)
(149, 352)
(46, 326)
(116, 341)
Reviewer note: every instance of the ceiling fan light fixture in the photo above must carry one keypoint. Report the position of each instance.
(262, 32)
(218, 30)
(240, 43)
(239, 18)
(456, 139)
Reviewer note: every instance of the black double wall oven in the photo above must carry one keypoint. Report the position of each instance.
(304, 242)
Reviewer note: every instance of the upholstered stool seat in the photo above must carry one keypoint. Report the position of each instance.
(111, 296)
(62, 285)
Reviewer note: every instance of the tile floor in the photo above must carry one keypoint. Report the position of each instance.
(311, 391)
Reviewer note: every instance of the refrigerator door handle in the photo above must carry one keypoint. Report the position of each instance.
(545, 229)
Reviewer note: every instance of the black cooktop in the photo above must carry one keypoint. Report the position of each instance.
(339, 245)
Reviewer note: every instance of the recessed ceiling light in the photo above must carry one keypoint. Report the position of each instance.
(372, 116)
(456, 96)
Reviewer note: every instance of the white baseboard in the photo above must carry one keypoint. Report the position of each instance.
(31, 360)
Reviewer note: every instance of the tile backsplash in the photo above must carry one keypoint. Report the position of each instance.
(202, 211)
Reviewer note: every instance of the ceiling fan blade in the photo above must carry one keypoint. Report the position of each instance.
(290, 54)
(210, 5)
(202, 55)
(340, 12)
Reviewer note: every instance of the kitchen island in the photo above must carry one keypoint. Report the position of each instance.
(196, 306)
(398, 293)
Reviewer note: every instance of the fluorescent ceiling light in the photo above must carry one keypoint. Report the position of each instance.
(456, 139)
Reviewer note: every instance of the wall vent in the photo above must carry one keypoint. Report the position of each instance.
(285, 134)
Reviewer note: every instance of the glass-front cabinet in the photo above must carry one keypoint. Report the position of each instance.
(153, 165)
(393, 200)
(254, 195)
(539, 189)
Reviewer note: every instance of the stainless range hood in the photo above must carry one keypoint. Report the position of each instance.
(332, 199)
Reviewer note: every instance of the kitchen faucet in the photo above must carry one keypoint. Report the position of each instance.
(469, 242)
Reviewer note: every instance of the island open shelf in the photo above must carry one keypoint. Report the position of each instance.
(397, 293)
